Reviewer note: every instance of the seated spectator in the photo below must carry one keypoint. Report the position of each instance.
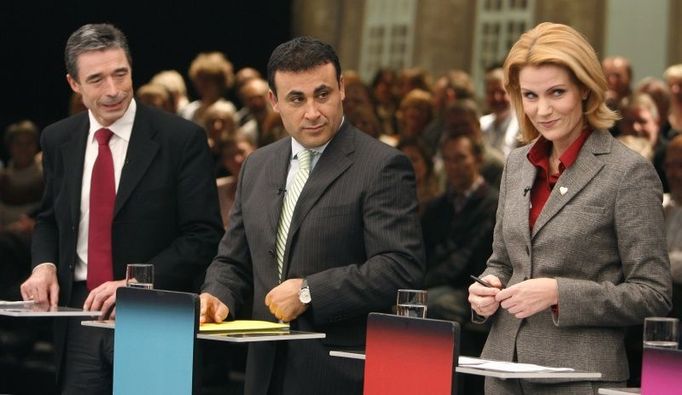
(219, 124)
(673, 77)
(427, 183)
(357, 93)
(155, 95)
(385, 100)
(251, 118)
(640, 118)
(175, 84)
(462, 117)
(365, 119)
(415, 113)
(500, 127)
(660, 94)
(413, 78)
(452, 86)
(21, 181)
(618, 72)
(672, 206)
(458, 229)
(211, 74)
(234, 150)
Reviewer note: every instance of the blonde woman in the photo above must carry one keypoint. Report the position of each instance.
(579, 250)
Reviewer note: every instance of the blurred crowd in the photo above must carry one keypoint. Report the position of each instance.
(457, 143)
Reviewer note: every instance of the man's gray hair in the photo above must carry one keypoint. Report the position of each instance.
(93, 37)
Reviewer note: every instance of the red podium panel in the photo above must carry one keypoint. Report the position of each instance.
(410, 355)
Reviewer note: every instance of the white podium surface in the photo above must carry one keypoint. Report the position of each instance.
(468, 365)
(30, 309)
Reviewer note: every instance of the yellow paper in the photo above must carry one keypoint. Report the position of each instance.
(243, 326)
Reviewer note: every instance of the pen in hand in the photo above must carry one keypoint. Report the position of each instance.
(483, 282)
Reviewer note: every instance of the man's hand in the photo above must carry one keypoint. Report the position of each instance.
(529, 297)
(42, 287)
(103, 298)
(283, 300)
(211, 309)
(483, 299)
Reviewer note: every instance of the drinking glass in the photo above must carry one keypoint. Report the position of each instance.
(661, 332)
(140, 275)
(411, 303)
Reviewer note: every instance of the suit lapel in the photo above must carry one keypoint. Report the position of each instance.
(141, 151)
(575, 178)
(528, 174)
(277, 182)
(73, 155)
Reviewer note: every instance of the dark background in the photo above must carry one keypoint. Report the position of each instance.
(162, 35)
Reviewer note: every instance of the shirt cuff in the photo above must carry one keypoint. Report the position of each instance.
(43, 264)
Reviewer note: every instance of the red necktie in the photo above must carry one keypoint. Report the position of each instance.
(102, 198)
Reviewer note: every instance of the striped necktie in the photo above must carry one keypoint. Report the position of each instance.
(290, 198)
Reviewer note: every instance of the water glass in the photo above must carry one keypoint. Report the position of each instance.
(411, 303)
(661, 332)
(140, 275)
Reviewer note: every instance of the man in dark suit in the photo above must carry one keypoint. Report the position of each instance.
(324, 230)
(124, 184)
(458, 229)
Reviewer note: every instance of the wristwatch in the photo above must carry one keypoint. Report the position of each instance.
(304, 293)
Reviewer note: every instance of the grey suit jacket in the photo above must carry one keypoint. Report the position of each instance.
(602, 240)
(354, 235)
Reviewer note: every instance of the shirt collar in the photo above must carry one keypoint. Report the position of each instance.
(539, 153)
(122, 128)
(296, 147)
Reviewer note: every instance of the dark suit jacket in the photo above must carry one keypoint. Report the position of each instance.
(600, 235)
(166, 210)
(354, 235)
(458, 244)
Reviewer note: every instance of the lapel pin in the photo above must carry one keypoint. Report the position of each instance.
(563, 190)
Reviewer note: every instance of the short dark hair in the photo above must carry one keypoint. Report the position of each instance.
(93, 37)
(476, 146)
(301, 54)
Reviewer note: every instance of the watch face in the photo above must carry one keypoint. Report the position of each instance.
(304, 295)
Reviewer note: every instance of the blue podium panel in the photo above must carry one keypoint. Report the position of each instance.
(154, 342)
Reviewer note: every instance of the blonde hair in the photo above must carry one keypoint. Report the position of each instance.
(560, 45)
(673, 72)
(213, 65)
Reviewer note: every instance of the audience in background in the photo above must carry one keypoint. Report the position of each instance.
(618, 74)
(452, 86)
(427, 182)
(175, 84)
(234, 150)
(384, 86)
(640, 118)
(462, 117)
(500, 127)
(673, 77)
(672, 205)
(155, 95)
(415, 113)
(21, 180)
(211, 74)
(458, 229)
(251, 117)
(660, 94)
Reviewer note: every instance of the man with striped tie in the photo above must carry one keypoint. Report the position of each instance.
(323, 231)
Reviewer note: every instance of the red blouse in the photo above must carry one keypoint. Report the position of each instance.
(544, 182)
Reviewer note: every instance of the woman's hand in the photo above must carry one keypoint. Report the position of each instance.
(529, 297)
(483, 299)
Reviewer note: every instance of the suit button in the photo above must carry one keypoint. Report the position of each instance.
(272, 253)
(527, 250)
(525, 278)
